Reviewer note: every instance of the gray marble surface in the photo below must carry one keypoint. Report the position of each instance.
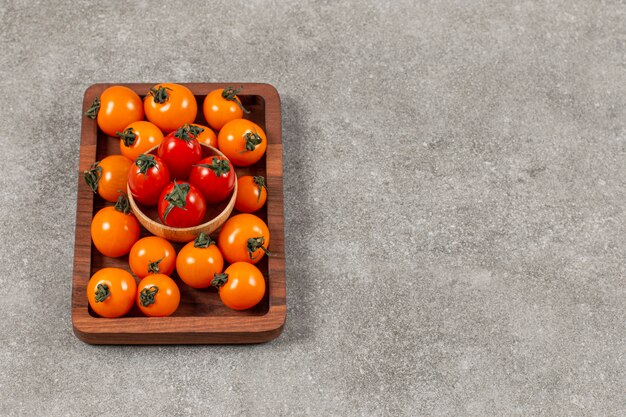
(454, 196)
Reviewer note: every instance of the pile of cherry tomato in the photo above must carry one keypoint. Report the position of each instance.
(181, 184)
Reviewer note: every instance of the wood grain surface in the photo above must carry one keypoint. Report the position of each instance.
(201, 317)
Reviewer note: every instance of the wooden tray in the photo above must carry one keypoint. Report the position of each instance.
(201, 317)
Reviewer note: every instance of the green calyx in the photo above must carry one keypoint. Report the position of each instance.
(92, 111)
(217, 165)
(219, 280)
(252, 140)
(128, 136)
(188, 132)
(203, 241)
(146, 296)
(230, 94)
(260, 183)
(160, 94)
(153, 267)
(102, 293)
(144, 162)
(122, 205)
(254, 244)
(176, 198)
(92, 176)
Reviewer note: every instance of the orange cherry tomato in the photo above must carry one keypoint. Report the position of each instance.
(111, 292)
(244, 238)
(221, 106)
(109, 177)
(170, 106)
(158, 295)
(152, 255)
(241, 286)
(242, 141)
(116, 108)
(114, 230)
(199, 261)
(138, 138)
(251, 193)
(207, 136)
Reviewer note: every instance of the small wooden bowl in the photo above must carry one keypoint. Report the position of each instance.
(214, 218)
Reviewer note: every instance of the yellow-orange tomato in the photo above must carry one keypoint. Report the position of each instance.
(244, 238)
(251, 193)
(138, 138)
(111, 292)
(158, 296)
(114, 230)
(109, 177)
(241, 286)
(170, 106)
(242, 141)
(221, 106)
(207, 136)
(152, 255)
(116, 108)
(199, 261)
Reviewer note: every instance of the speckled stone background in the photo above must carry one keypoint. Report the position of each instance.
(454, 195)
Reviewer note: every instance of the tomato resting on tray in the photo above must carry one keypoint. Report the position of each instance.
(198, 262)
(114, 230)
(242, 141)
(251, 193)
(221, 106)
(109, 177)
(241, 286)
(111, 292)
(116, 108)
(139, 137)
(244, 238)
(158, 296)
(169, 106)
(152, 255)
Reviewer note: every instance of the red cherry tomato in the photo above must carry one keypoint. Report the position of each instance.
(181, 205)
(147, 178)
(214, 177)
(180, 150)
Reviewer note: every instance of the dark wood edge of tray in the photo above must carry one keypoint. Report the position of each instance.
(193, 329)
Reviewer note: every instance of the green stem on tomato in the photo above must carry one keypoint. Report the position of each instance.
(146, 296)
(219, 279)
(230, 94)
(203, 241)
(92, 176)
(92, 111)
(128, 136)
(260, 183)
(102, 293)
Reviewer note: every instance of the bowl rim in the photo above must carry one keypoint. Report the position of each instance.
(229, 207)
